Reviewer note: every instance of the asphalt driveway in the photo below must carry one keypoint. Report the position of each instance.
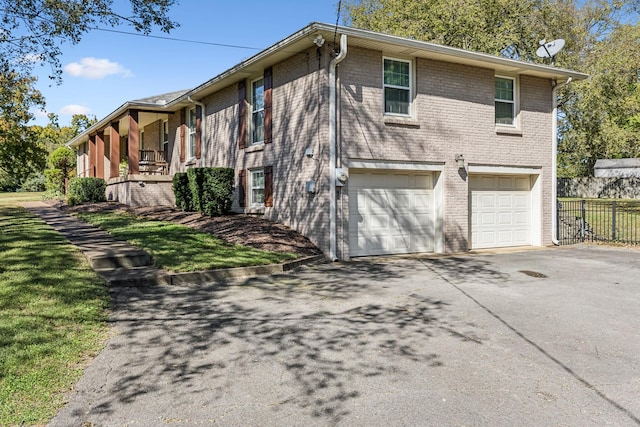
(548, 337)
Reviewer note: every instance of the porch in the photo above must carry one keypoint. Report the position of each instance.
(137, 143)
(139, 190)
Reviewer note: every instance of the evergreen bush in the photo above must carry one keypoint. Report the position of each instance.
(86, 190)
(182, 192)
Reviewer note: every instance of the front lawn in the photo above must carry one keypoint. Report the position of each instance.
(52, 316)
(178, 248)
(21, 196)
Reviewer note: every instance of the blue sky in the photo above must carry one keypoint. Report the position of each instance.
(106, 69)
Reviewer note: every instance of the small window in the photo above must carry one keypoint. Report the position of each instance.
(257, 187)
(505, 100)
(257, 111)
(397, 86)
(142, 139)
(191, 149)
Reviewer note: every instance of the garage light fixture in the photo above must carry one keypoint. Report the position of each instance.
(460, 161)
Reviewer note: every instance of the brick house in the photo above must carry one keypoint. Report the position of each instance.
(372, 144)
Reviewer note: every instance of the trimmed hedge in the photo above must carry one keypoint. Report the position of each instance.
(182, 192)
(206, 190)
(86, 190)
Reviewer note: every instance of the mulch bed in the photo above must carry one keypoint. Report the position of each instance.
(247, 230)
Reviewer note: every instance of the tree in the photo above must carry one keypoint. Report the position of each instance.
(62, 163)
(20, 153)
(53, 135)
(602, 114)
(34, 30)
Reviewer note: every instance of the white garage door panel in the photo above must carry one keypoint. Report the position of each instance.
(390, 213)
(500, 211)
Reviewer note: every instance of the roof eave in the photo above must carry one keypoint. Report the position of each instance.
(114, 115)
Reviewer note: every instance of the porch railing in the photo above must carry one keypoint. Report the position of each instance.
(153, 162)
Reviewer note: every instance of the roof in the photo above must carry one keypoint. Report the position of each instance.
(162, 99)
(617, 163)
(303, 39)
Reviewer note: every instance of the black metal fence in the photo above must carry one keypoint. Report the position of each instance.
(598, 221)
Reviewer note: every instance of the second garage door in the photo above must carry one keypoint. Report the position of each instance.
(500, 210)
(390, 212)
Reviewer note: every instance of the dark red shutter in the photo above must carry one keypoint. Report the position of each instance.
(242, 188)
(198, 131)
(268, 186)
(182, 131)
(242, 113)
(268, 105)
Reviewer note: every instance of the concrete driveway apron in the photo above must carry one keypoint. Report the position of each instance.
(547, 337)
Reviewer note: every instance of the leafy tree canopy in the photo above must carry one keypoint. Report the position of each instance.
(34, 30)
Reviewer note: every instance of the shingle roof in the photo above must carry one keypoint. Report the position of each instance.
(162, 99)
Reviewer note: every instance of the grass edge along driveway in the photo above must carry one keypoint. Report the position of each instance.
(178, 248)
(53, 312)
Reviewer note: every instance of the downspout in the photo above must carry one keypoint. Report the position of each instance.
(554, 161)
(332, 146)
(202, 127)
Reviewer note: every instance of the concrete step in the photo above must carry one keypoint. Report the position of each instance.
(118, 257)
(134, 277)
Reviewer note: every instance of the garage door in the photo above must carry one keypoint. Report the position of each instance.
(390, 212)
(500, 210)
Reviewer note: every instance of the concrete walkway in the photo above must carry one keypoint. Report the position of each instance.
(119, 263)
(123, 265)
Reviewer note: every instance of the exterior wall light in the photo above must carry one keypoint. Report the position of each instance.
(460, 161)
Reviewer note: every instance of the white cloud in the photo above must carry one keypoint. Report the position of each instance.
(41, 114)
(71, 109)
(31, 58)
(96, 68)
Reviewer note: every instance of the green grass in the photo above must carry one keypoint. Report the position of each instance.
(15, 198)
(178, 248)
(52, 316)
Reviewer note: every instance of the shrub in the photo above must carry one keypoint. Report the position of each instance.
(54, 181)
(206, 190)
(197, 184)
(182, 191)
(217, 198)
(86, 190)
(34, 183)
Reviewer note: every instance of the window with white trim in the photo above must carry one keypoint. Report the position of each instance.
(191, 124)
(257, 111)
(256, 185)
(505, 101)
(397, 83)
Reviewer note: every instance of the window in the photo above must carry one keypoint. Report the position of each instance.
(257, 187)
(257, 111)
(142, 139)
(165, 138)
(191, 148)
(397, 86)
(505, 99)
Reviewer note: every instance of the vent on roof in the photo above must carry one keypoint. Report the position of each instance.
(161, 102)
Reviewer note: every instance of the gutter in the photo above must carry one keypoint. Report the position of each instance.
(202, 127)
(554, 161)
(332, 146)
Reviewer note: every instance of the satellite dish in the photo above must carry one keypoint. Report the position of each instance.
(550, 49)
